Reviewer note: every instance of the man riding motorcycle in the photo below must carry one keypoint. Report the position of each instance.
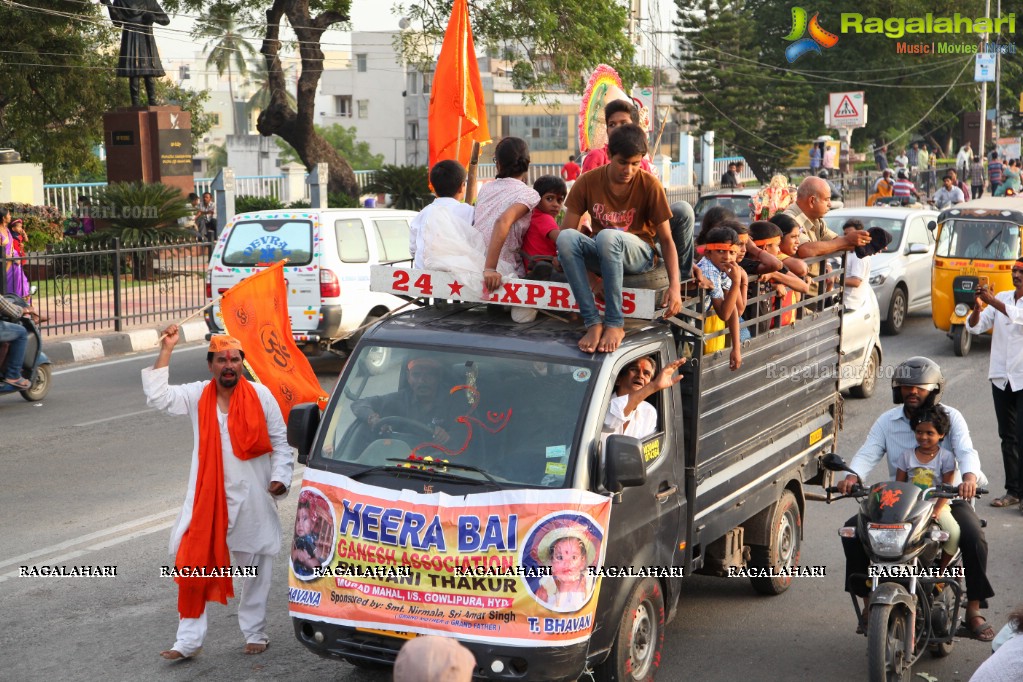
(918, 384)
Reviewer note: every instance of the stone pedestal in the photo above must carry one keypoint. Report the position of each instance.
(150, 144)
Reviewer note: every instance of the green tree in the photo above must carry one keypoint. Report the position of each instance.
(407, 185)
(262, 96)
(191, 101)
(227, 44)
(343, 140)
(55, 84)
(722, 91)
(218, 159)
(563, 39)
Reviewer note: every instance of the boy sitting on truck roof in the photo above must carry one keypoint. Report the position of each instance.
(448, 180)
(630, 212)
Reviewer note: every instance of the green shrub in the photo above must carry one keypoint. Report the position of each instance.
(301, 203)
(246, 203)
(408, 186)
(140, 213)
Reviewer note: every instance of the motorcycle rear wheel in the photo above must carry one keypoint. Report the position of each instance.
(886, 644)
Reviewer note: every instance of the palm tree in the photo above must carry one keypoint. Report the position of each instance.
(227, 45)
(260, 78)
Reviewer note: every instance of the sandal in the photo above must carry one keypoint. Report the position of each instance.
(1006, 500)
(982, 631)
(20, 383)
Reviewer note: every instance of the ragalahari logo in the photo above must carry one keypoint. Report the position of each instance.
(817, 39)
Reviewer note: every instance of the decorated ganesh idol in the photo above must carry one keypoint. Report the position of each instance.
(772, 199)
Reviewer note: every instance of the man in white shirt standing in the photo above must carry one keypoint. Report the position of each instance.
(629, 414)
(963, 159)
(1004, 315)
(241, 466)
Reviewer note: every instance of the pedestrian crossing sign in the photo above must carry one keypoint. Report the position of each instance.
(846, 110)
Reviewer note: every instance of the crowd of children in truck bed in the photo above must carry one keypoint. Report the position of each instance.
(616, 221)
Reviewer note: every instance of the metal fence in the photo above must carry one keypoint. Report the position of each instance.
(88, 287)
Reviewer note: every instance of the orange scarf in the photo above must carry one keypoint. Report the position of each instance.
(205, 541)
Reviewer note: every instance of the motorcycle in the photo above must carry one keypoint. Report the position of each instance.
(36, 366)
(913, 605)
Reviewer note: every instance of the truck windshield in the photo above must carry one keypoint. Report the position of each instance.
(983, 239)
(513, 418)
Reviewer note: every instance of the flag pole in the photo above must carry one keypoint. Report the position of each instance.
(470, 180)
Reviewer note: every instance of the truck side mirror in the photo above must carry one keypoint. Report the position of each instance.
(931, 225)
(303, 420)
(623, 463)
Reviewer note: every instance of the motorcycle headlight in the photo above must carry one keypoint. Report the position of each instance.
(887, 540)
(961, 310)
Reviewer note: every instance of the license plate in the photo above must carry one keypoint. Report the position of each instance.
(389, 633)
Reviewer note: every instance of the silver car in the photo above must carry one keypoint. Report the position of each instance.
(901, 274)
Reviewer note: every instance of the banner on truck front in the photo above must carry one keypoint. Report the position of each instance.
(518, 567)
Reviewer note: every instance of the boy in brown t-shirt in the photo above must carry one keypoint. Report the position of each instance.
(629, 211)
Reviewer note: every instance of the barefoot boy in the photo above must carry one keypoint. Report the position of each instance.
(629, 211)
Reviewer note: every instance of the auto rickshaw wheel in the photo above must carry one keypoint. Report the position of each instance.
(961, 340)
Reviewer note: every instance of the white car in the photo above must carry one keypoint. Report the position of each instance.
(329, 254)
(901, 274)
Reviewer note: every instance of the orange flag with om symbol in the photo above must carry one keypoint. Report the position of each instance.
(256, 313)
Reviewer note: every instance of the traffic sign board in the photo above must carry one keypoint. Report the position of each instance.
(847, 109)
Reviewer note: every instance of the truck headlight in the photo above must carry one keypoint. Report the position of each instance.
(888, 539)
(961, 310)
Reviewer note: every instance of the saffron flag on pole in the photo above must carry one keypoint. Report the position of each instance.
(256, 313)
(457, 116)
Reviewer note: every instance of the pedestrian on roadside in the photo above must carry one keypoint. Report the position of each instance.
(977, 178)
(902, 161)
(995, 173)
(241, 466)
(1002, 313)
(10, 239)
(881, 157)
(963, 159)
(957, 182)
(923, 162)
(815, 158)
(913, 157)
(570, 171)
(208, 208)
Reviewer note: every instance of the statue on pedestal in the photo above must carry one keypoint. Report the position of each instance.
(139, 57)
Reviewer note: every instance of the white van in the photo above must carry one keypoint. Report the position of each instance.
(329, 253)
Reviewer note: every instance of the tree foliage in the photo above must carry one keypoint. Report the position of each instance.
(344, 141)
(740, 47)
(226, 39)
(56, 81)
(407, 185)
(553, 44)
(763, 124)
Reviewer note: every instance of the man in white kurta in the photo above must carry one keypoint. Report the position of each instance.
(628, 412)
(252, 487)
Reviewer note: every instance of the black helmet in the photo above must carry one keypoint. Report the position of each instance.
(823, 174)
(922, 372)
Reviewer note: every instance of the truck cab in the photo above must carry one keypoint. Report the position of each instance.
(521, 454)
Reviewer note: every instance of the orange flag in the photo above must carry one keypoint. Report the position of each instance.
(457, 116)
(256, 313)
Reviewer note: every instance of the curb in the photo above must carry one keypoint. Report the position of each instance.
(83, 349)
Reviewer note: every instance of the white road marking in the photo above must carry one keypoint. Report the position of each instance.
(120, 416)
(108, 537)
(130, 358)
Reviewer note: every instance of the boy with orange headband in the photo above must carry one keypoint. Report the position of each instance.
(229, 524)
(719, 265)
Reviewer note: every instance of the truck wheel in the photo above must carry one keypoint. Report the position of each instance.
(636, 652)
(783, 552)
(961, 340)
(866, 388)
(886, 643)
(896, 313)
(40, 387)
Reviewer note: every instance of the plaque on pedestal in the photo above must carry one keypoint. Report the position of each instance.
(150, 144)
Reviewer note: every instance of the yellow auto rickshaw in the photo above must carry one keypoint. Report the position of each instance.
(977, 243)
